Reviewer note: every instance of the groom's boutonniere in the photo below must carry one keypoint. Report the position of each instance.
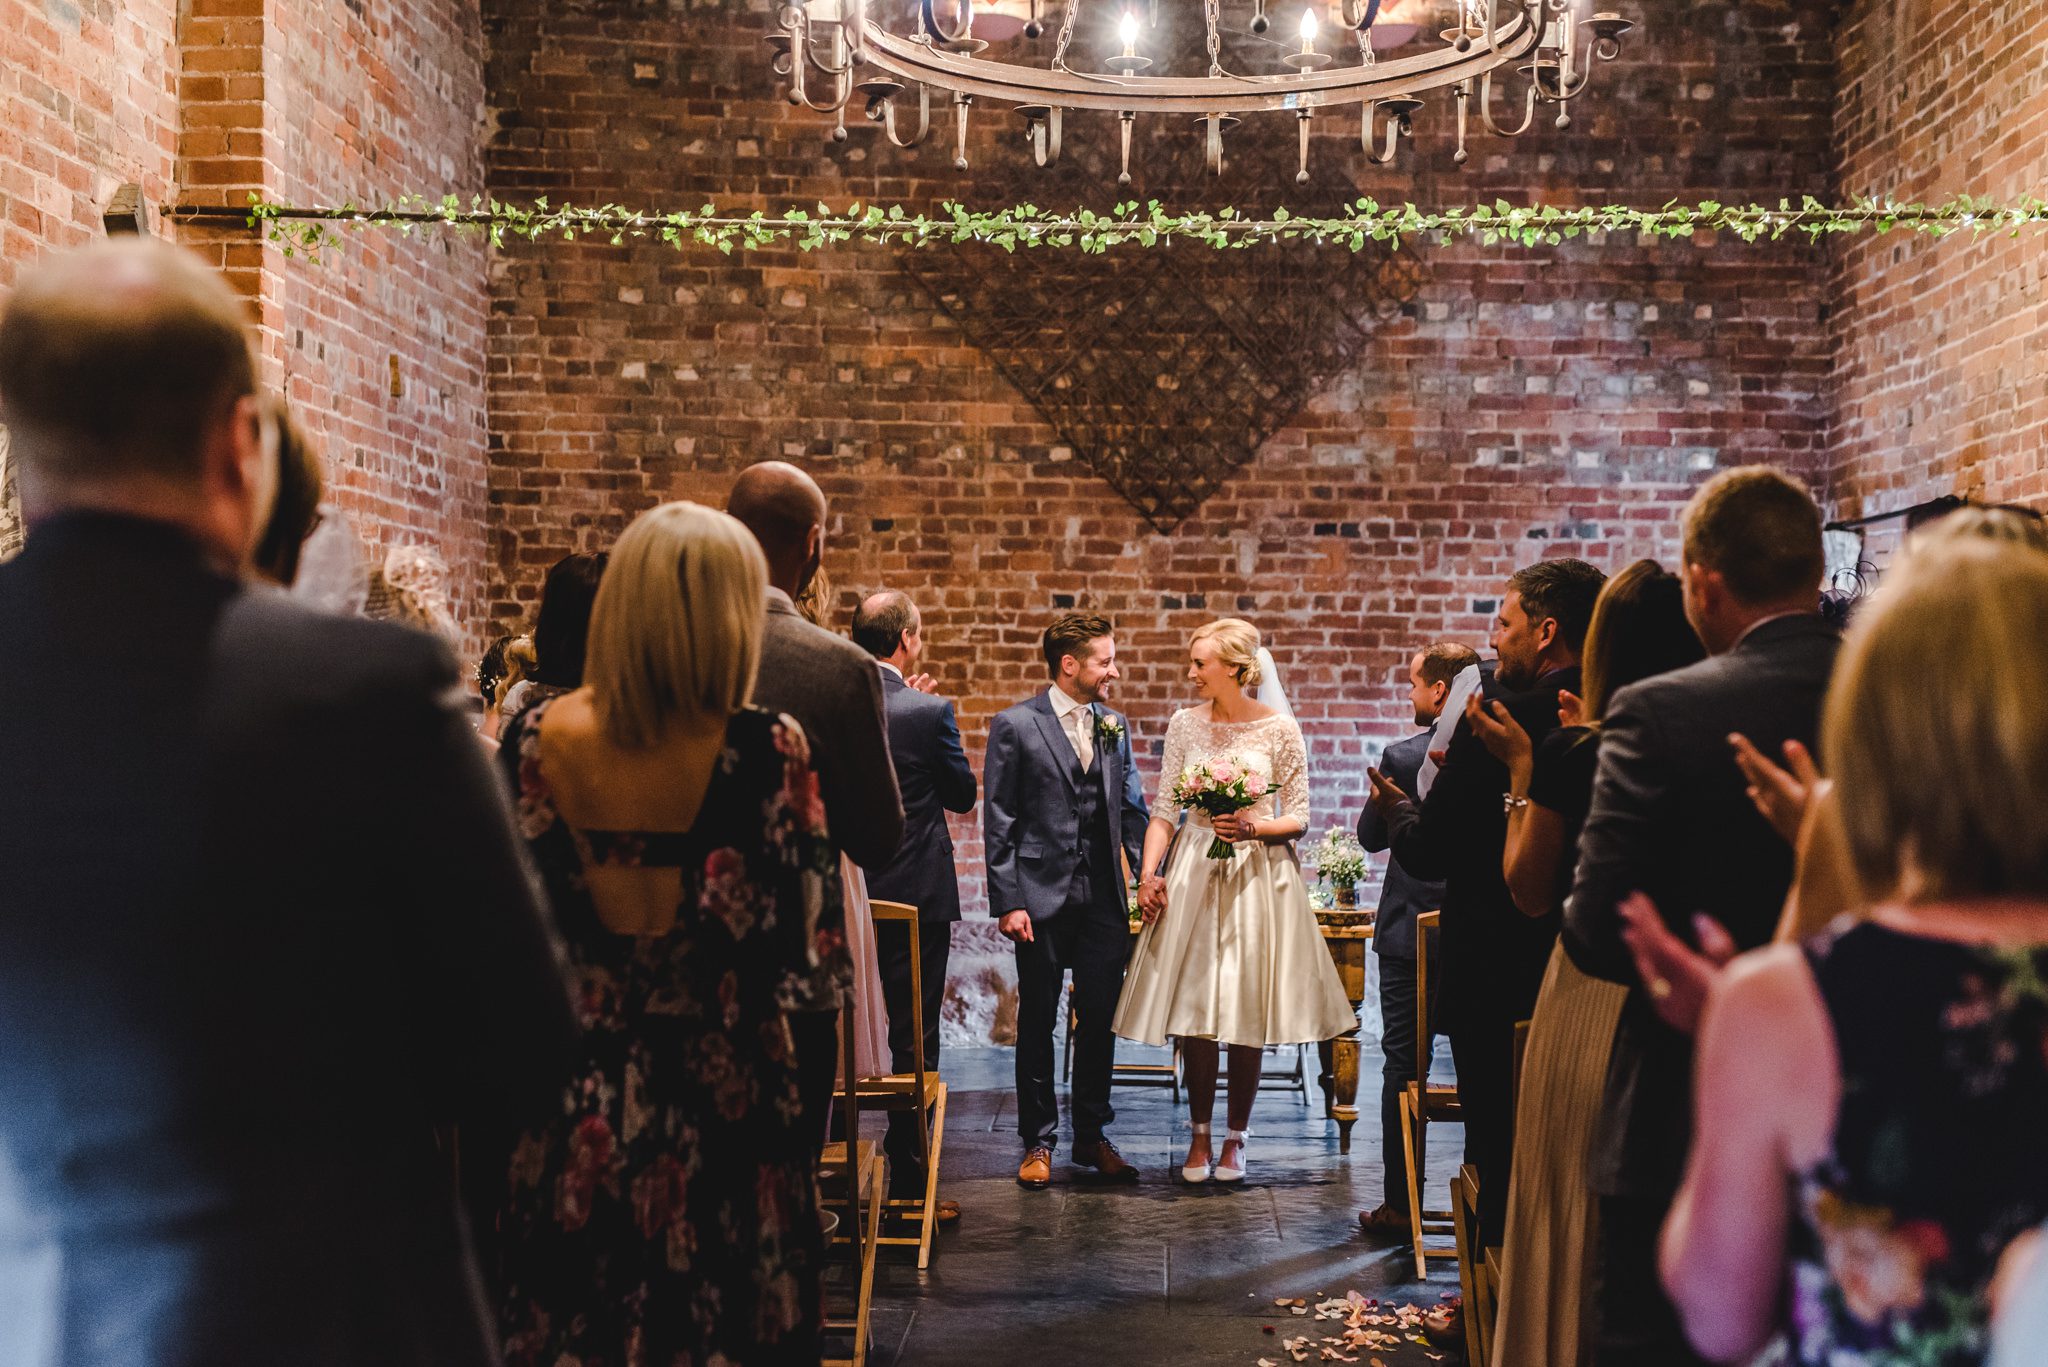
(1108, 729)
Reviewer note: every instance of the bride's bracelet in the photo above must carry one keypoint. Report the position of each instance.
(1511, 804)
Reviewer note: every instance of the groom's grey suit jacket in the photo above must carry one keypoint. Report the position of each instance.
(1030, 814)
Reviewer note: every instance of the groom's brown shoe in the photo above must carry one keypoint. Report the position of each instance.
(1102, 1156)
(1035, 1171)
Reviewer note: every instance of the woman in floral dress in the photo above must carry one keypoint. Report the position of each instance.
(667, 1214)
(1872, 1104)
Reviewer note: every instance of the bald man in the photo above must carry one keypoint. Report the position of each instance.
(266, 918)
(831, 687)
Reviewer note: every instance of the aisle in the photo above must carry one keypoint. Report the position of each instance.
(1153, 1274)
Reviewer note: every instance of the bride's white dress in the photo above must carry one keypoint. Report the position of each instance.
(1236, 957)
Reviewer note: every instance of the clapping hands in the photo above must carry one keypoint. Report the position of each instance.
(1675, 974)
(1501, 734)
(921, 683)
(1781, 793)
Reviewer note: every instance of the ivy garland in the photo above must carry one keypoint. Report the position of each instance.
(301, 231)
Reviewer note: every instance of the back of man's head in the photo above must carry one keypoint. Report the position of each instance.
(1563, 590)
(1759, 530)
(1444, 661)
(782, 506)
(115, 363)
(882, 621)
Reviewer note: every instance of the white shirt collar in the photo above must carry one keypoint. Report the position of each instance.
(1062, 705)
(891, 668)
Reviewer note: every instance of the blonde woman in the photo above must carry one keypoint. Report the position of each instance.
(1230, 955)
(1870, 1101)
(667, 1213)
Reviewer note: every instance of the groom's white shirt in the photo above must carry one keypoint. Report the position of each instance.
(1078, 732)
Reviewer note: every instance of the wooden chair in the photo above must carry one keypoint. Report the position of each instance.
(1126, 1074)
(851, 1177)
(1424, 1103)
(919, 1092)
(1478, 1270)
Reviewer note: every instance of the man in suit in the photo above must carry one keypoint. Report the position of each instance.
(932, 772)
(1670, 817)
(1062, 810)
(829, 685)
(267, 919)
(1493, 955)
(1403, 897)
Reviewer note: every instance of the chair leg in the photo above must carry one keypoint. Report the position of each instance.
(931, 1180)
(1410, 1146)
(864, 1307)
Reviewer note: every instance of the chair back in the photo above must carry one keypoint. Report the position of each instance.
(905, 915)
(1428, 926)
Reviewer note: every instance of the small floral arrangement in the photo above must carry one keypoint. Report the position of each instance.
(1108, 729)
(1337, 857)
(1228, 785)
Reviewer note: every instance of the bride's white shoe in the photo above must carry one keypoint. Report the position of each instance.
(1233, 1174)
(1191, 1173)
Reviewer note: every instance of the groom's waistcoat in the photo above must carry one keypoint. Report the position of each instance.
(1094, 857)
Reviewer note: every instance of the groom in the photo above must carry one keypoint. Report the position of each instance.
(1061, 809)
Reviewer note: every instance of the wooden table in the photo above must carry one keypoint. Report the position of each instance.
(1348, 935)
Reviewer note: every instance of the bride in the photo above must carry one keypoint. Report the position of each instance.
(1230, 954)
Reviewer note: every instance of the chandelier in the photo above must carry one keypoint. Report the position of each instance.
(832, 51)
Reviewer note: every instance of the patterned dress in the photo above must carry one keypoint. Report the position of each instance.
(668, 1214)
(1940, 1154)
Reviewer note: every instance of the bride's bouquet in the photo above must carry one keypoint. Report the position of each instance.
(1226, 786)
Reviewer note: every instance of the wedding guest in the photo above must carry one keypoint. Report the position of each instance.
(1494, 955)
(1231, 961)
(503, 667)
(934, 778)
(295, 510)
(667, 1212)
(264, 930)
(1062, 812)
(1670, 816)
(870, 1016)
(1403, 897)
(1869, 1104)
(561, 630)
(1638, 630)
(831, 686)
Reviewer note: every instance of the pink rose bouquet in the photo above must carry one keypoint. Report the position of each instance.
(1225, 786)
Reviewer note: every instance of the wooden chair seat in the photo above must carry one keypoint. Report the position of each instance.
(1425, 1103)
(919, 1092)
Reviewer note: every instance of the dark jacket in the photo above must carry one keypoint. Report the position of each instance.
(933, 775)
(1030, 832)
(266, 920)
(1403, 896)
(828, 684)
(1493, 955)
(1671, 817)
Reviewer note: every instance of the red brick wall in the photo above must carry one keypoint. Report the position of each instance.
(205, 101)
(1530, 404)
(88, 102)
(1941, 347)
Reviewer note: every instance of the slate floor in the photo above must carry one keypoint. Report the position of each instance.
(1157, 1273)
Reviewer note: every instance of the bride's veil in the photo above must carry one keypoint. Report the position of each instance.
(1270, 691)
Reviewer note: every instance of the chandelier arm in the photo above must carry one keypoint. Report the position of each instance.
(1367, 117)
(1532, 11)
(842, 62)
(928, 15)
(1045, 138)
(1486, 109)
(924, 119)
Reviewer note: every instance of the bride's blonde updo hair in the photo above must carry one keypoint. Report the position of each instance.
(1237, 647)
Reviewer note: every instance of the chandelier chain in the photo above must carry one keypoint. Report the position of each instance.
(1212, 18)
(1066, 37)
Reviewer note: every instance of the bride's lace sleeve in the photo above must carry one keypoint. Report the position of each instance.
(1290, 772)
(1171, 762)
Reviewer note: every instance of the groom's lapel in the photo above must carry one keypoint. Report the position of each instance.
(1058, 747)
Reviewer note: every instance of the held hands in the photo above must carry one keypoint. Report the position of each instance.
(1152, 899)
(1781, 794)
(1016, 927)
(1674, 974)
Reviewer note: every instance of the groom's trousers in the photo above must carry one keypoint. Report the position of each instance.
(1094, 942)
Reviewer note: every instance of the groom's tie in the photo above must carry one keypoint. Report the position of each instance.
(1081, 733)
